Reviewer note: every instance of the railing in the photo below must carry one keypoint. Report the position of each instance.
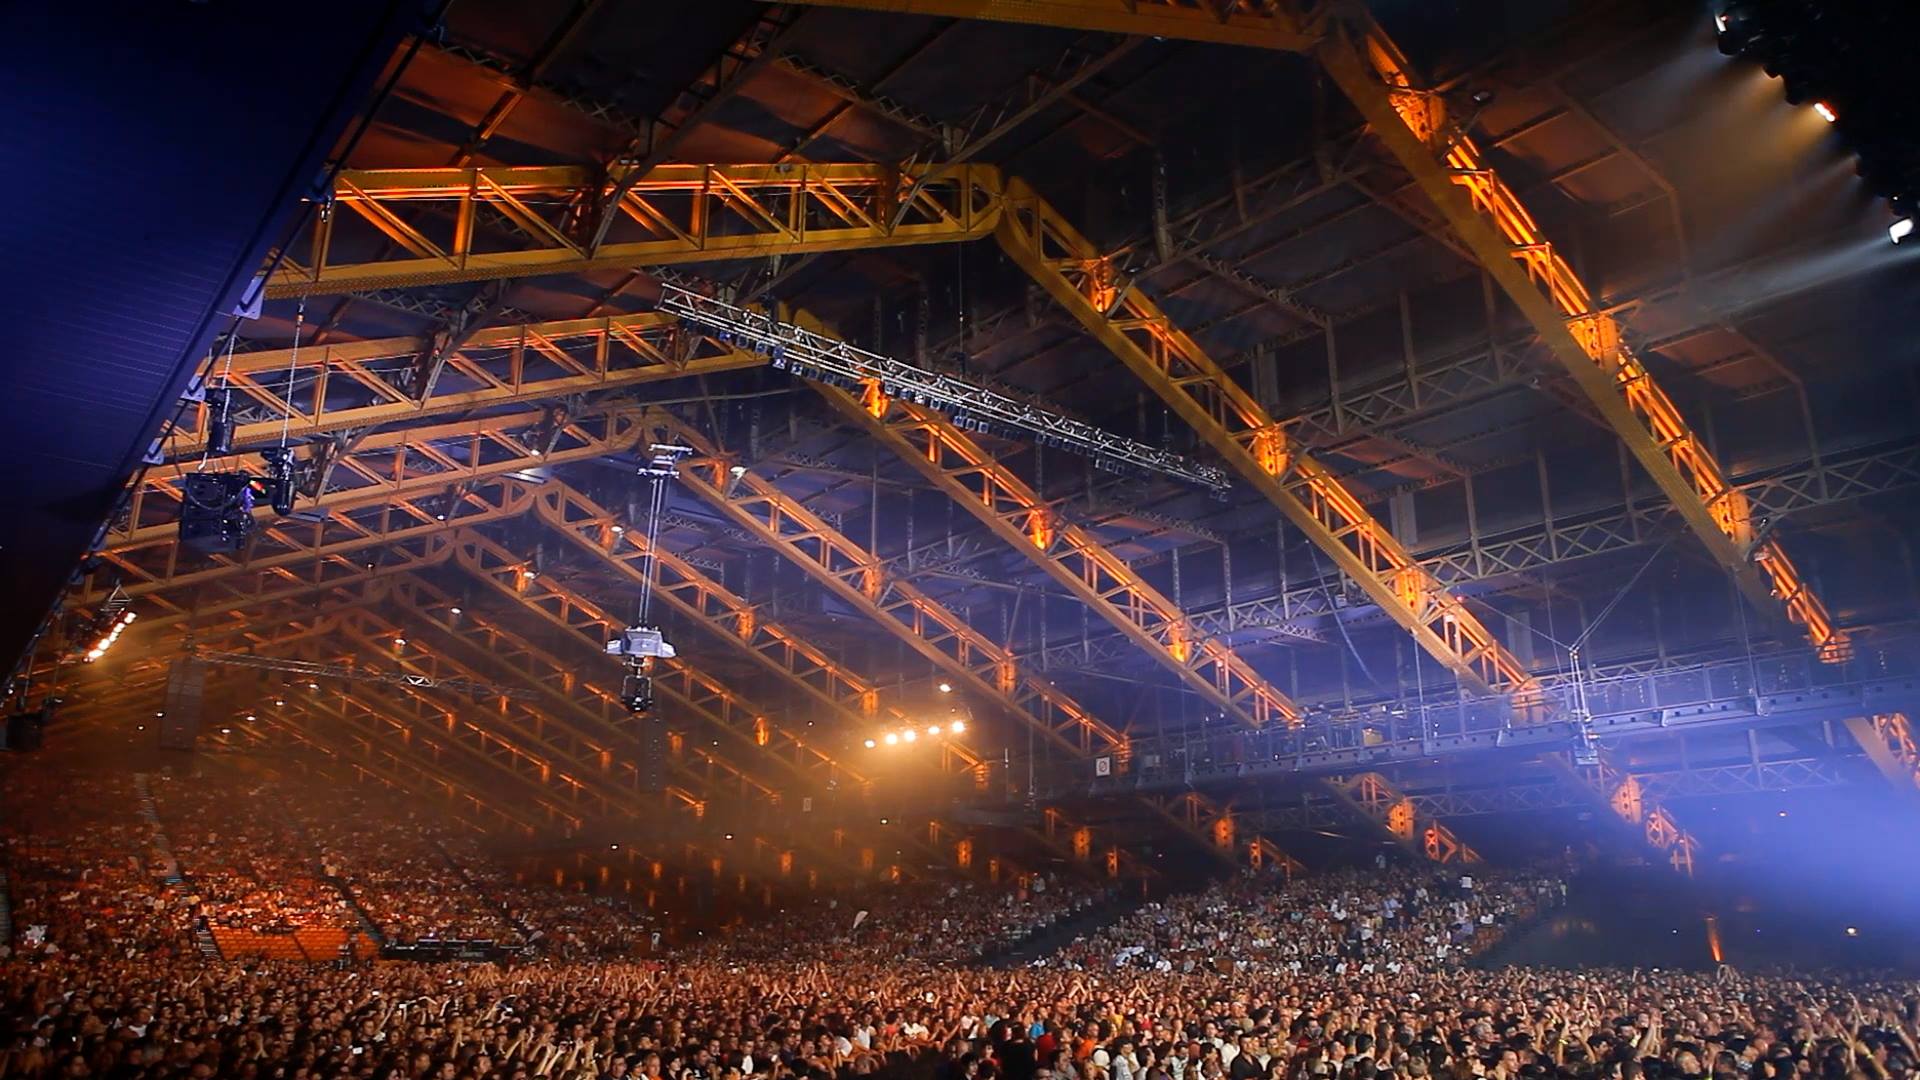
(1618, 700)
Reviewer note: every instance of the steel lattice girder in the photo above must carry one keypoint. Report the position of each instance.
(1219, 825)
(592, 707)
(861, 579)
(1629, 800)
(403, 771)
(955, 463)
(1888, 740)
(321, 389)
(1490, 219)
(596, 713)
(690, 689)
(575, 752)
(1375, 798)
(782, 651)
(672, 214)
(389, 465)
(688, 686)
(1173, 365)
(322, 548)
(234, 602)
(785, 653)
(1264, 24)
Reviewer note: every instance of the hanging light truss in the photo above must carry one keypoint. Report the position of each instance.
(823, 358)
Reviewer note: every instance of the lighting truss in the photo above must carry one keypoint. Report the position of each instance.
(314, 670)
(815, 356)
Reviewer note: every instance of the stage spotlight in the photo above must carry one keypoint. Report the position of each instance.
(1853, 931)
(871, 744)
(1720, 22)
(909, 735)
(399, 643)
(1900, 230)
(946, 688)
(934, 730)
(892, 738)
(957, 727)
(1826, 111)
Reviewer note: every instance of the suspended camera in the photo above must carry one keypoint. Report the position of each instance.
(641, 643)
(216, 508)
(636, 693)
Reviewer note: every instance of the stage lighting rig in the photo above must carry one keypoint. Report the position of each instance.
(809, 355)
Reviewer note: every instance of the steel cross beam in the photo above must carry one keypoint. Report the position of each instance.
(1263, 24)
(783, 652)
(1889, 742)
(234, 604)
(389, 465)
(862, 580)
(986, 488)
(1375, 798)
(329, 550)
(1173, 365)
(668, 214)
(679, 682)
(1586, 340)
(322, 389)
(576, 750)
(594, 705)
(686, 685)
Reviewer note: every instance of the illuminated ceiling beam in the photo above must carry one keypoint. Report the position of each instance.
(988, 489)
(389, 465)
(1587, 341)
(1375, 799)
(671, 214)
(861, 579)
(1888, 739)
(358, 384)
(299, 553)
(1262, 24)
(1134, 328)
(945, 640)
(691, 689)
(594, 709)
(690, 686)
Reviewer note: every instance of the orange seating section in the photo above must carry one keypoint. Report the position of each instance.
(317, 944)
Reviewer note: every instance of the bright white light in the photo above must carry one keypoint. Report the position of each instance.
(1720, 22)
(399, 643)
(1826, 111)
(130, 616)
(279, 701)
(159, 714)
(957, 726)
(1853, 931)
(910, 735)
(250, 717)
(454, 611)
(870, 744)
(618, 529)
(614, 847)
(310, 686)
(946, 688)
(934, 730)
(1900, 230)
(892, 738)
(226, 731)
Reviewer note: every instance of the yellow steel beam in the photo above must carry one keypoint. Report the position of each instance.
(1623, 795)
(680, 683)
(598, 709)
(784, 653)
(1216, 825)
(319, 389)
(1888, 740)
(1263, 24)
(688, 686)
(324, 551)
(860, 578)
(671, 214)
(390, 465)
(1490, 220)
(1374, 798)
(986, 488)
(1135, 329)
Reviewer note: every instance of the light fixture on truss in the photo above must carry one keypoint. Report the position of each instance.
(641, 644)
(809, 355)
